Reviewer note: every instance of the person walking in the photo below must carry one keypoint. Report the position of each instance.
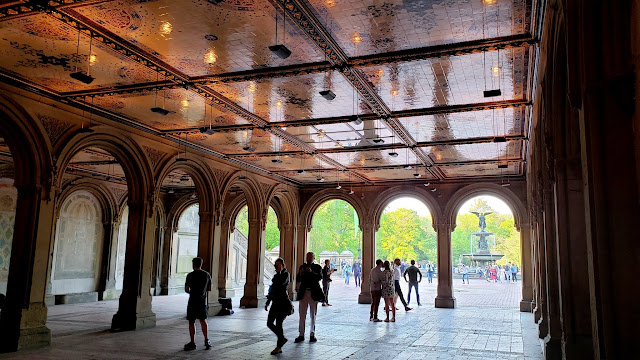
(430, 269)
(396, 285)
(465, 273)
(508, 271)
(309, 293)
(326, 281)
(514, 273)
(375, 286)
(413, 273)
(501, 272)
(347, 273)
(388, 292)
(281, 305)
(494, 273)
(357, 272)
(197, 286)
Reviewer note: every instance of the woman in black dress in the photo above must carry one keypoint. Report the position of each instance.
(281, 307)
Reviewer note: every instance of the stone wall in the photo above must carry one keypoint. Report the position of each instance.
(8, 197)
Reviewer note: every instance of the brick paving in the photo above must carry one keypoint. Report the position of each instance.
(485, 325)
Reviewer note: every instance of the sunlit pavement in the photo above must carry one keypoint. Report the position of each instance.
(485, 325)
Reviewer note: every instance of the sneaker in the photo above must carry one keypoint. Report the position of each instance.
(312, 338)
(207, 344)
(276, 351)
(299, 339)
(407, 308)
(284, 341)
(190, 346)
(376, 320)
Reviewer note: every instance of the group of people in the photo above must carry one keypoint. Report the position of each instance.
(384, 281)
(495, 272)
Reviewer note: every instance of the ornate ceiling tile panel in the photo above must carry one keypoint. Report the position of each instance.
(454, 80)
(312, 176)
(187, 109)
(395, 174)
(96, 162)
(481, 170)
(199, 37)
(234, 142)
(45, 51)
(296, 97)
(288, 163)
(472, 152)
(372, 158)
(364, 27)
(466, 125)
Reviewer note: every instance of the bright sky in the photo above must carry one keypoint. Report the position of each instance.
(414, 204)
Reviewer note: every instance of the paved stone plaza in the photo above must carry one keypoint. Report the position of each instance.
(485, 325)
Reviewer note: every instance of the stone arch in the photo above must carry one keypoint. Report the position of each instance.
(107, 202)
(200, 172)
(283, 203)
(250, 188)
(516, 205)
(130, 157)
(30, 150)
(387, 196)
(178, 208)
(233, 209)
(319, 198)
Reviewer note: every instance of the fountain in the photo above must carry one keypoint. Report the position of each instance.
(482, 256)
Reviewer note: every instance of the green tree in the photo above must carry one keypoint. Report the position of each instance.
(272, 233)
(405, 235)
(335, 228)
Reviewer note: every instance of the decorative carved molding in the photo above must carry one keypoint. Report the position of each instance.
(154, 155)
(118, 193)
(219, 175)
(53, 127)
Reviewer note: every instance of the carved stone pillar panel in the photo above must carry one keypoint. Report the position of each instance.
(288, 252)
(223, 237)
(134, 310)
(209, 252)
(444, 298)
(527, 268)
(167, 254)
(254, 287)
(368, 259)
(24, 314)
(108, 277)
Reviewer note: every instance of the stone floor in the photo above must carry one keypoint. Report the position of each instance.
(485, 325)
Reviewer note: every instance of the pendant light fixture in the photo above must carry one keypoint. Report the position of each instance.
(280, 50)
(86, 129)
(156, 109)
(301, 170)
(79, 75)
(184, 158)
(204, 129)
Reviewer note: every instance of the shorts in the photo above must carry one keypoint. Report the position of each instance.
(197, 310)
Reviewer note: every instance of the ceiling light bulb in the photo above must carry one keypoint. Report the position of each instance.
(338, 187)
(495, 70)
(92, 59)
(433, 190)
(427, 184)
(166, 28)
(251, 87)
(210, 57)
(320, 135)
(330, 3)
(184, 103)
(284, 128)
(408, 167)
(380, 72)
(351, 192)
(279, 103)
(356, 38)
(171, 191)
(394, 92)
(320, 179)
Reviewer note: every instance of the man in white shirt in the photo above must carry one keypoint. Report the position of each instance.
(396, 281)
(375, 285)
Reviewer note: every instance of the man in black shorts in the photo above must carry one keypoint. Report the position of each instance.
(197, 285)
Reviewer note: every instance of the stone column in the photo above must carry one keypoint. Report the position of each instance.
(223, 237)
(134, 310)
(208, 251)
(444, 298)
(254, 288)
(302, 236)
(288, 252)
(368, 259)
(526, 268)
(543, 321)
(24, 314)
(552, 349)
(109, 260)
(167, 252)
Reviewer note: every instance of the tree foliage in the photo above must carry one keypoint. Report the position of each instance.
(335, 228)
(406, 235)
(272, 233)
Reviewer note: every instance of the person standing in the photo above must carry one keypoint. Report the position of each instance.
(375, 286)
(465, 273)
(430, 269)
(508, 271)
(514, 273)
(501, 272)
(357, 273)
(413, 273)
(396, 285)
(281, 305)
(309, 293)
(388, 292)
(326, 281)
(347, 273)
(197, 286)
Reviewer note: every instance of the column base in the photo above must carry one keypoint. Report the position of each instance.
(364, 298)
(34, 338)
(226, 292)
(253, 301)
(525, 306)
(552, 349)
(445, 302)
(111, 294)
(542, 328)
(214, 308)
(128, 322)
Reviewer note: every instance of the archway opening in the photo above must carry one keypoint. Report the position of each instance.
(406, 233)
(485, 247)
(238, 252)
(336, 236)
(8, 201)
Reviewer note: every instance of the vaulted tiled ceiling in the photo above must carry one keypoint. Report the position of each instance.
(414, 71)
